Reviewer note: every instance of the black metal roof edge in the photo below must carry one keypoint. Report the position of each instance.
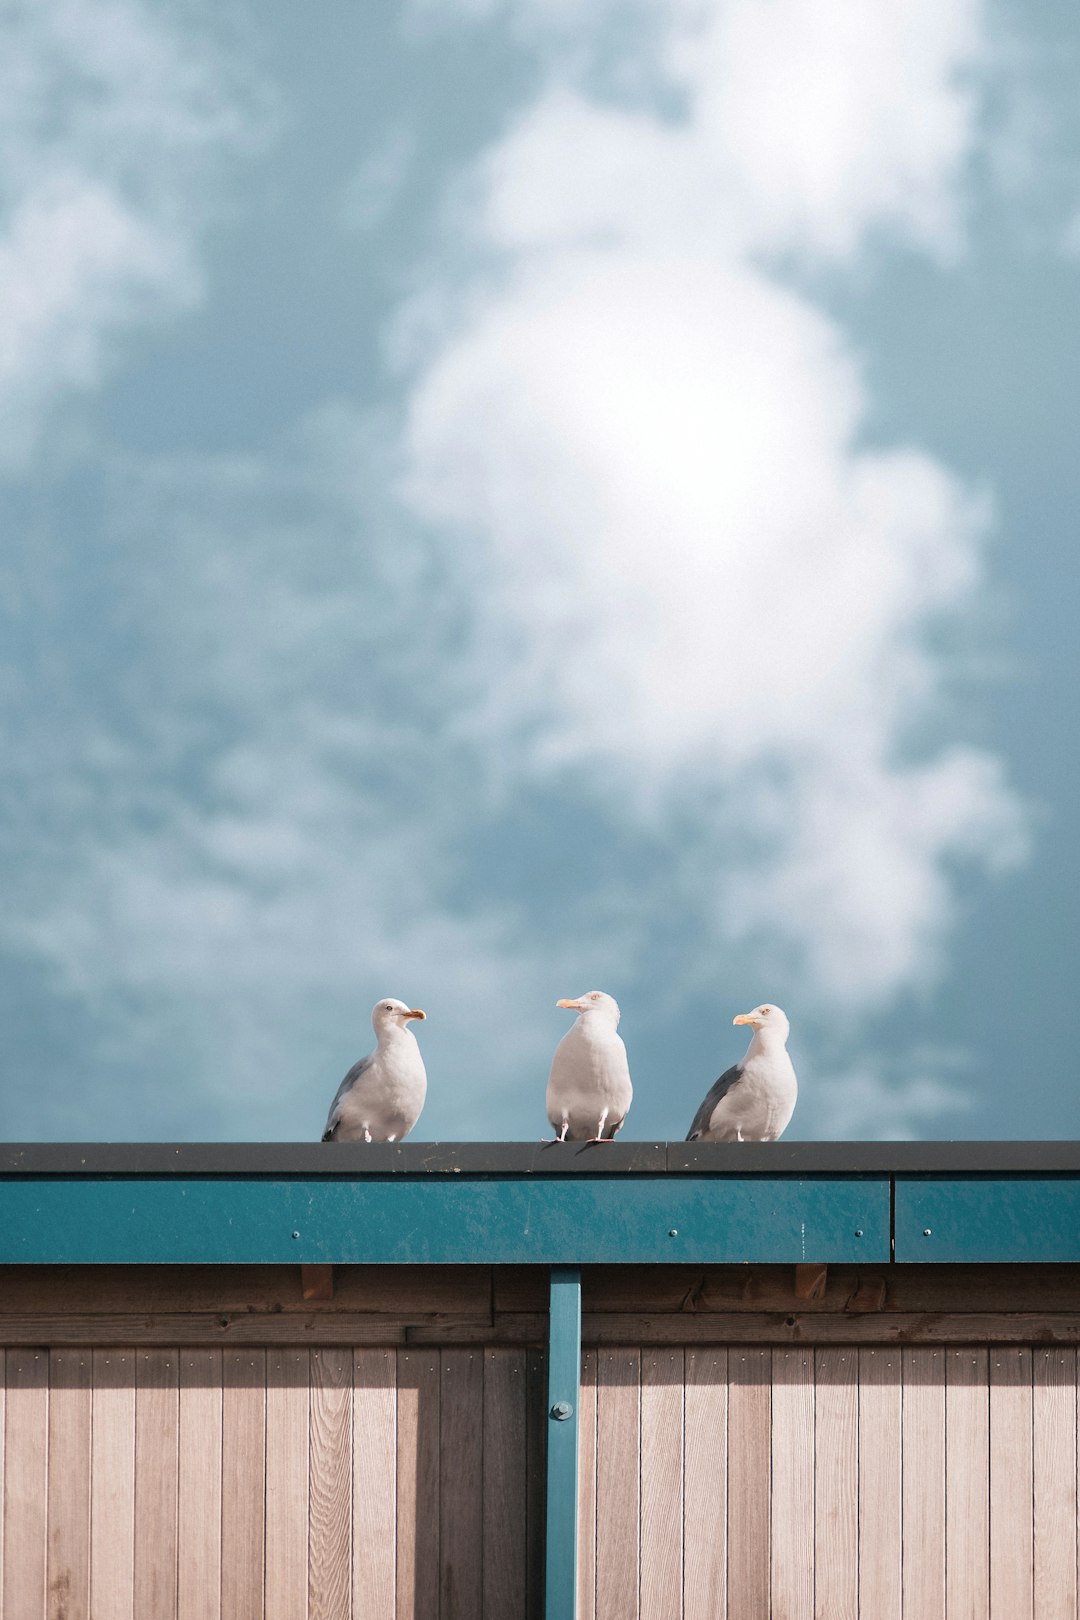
(312, 1159)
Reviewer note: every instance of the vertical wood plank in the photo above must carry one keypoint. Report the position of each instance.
(924, 1482)
(26, 1450)
(617, 1475)
(199, 1501)
(586, 1584)
(1011, 1495)
(663, 1378)
(880, 1484)
(504, 1485)
(1054, 1468)
(374, 1484)
(330, 1484)
(749, 1476)
(243, 1482)
(536, 1426)
(112, 1485)
(705, 1485)
(157, 1433)
(836, 1483)
(967, 1484)
(418, 1381)
(461, 1499)
(792, 1509)
(68, 1572)
(287, 1400)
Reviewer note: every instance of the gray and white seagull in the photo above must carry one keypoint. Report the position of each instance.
(380, 1098)
(589, 1092)
(754, 1099)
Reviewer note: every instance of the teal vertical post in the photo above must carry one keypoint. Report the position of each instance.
(564, 1390)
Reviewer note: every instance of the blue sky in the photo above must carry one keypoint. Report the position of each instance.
(499, 500)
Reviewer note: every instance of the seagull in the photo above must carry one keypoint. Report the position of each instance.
(589, 1092)
(754, 1100)
(380, 1098)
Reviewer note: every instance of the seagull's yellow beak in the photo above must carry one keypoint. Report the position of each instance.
(415, 1013)
(743, 1018)
(576, 1005)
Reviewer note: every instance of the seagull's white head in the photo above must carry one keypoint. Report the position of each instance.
(390, 1014)
(597, 1005)
(768, 1018)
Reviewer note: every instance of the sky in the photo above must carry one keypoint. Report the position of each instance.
(505, 499)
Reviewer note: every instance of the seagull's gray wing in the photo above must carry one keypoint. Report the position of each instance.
(718, 1090)
(346, 1086)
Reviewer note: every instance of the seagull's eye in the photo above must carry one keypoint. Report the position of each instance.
(595, 996)
(766, 1011)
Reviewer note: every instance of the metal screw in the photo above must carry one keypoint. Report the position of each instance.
(296, 1234)
(673, 1232)
(926, 1231)
(561, 1411)
(858, 1231)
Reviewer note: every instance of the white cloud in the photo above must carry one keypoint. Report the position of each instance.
(864, 1105)
(698, 587)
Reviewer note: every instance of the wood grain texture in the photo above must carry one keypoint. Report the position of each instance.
(112, 1485)
(880, 1478)
(836, 1484)
(419, 1384)
(586, 1579)
(749, 1482)
(288, 1374)
(967, 1480)
(924, 1483)
(536, 1427)
(504, 1485)
(461, 1449)
(792, 1505)
(26, 1451)
(374, 1572)
(1053, 1433)
(3, 1427)
(1011, 1506)
(157, 1433)
(618, 1386)
(243, 1482)
(330, 1465)
(663, 1380)
(68, 1563)
(705, 1485)
(199, 1499)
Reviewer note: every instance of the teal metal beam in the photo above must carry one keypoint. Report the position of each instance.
(599, 1220)
(564, 1398)
(1022, 1219)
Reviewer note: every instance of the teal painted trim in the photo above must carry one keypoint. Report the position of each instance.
(564, 1395)
(981, 1221)
(587, 1221)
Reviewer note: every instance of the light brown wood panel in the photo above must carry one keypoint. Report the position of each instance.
(836, 1483)
(618, 1438)
(504, 1485)
(419, 1382)
(68, 1571)
(792, 1506)
(924, 1482)
(157, 1429)
(1053, 1432)
(288, 1375)
(199, 1502)
(330, 1484)
(663, 1383)
(112, 1485)
(880, 1507)
(586, 1574)
(461, 1500)
(1011, 1544)
(705, 1485)
(749, 1482)
(243, 1482)
(3, 1426)
(26, 1451)
(374, 1576)
(967, 1481)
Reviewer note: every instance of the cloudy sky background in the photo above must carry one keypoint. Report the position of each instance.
(498, 500)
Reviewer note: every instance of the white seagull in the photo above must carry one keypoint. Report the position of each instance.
(754, 1100)
(380, 1098)
(589, 1092)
